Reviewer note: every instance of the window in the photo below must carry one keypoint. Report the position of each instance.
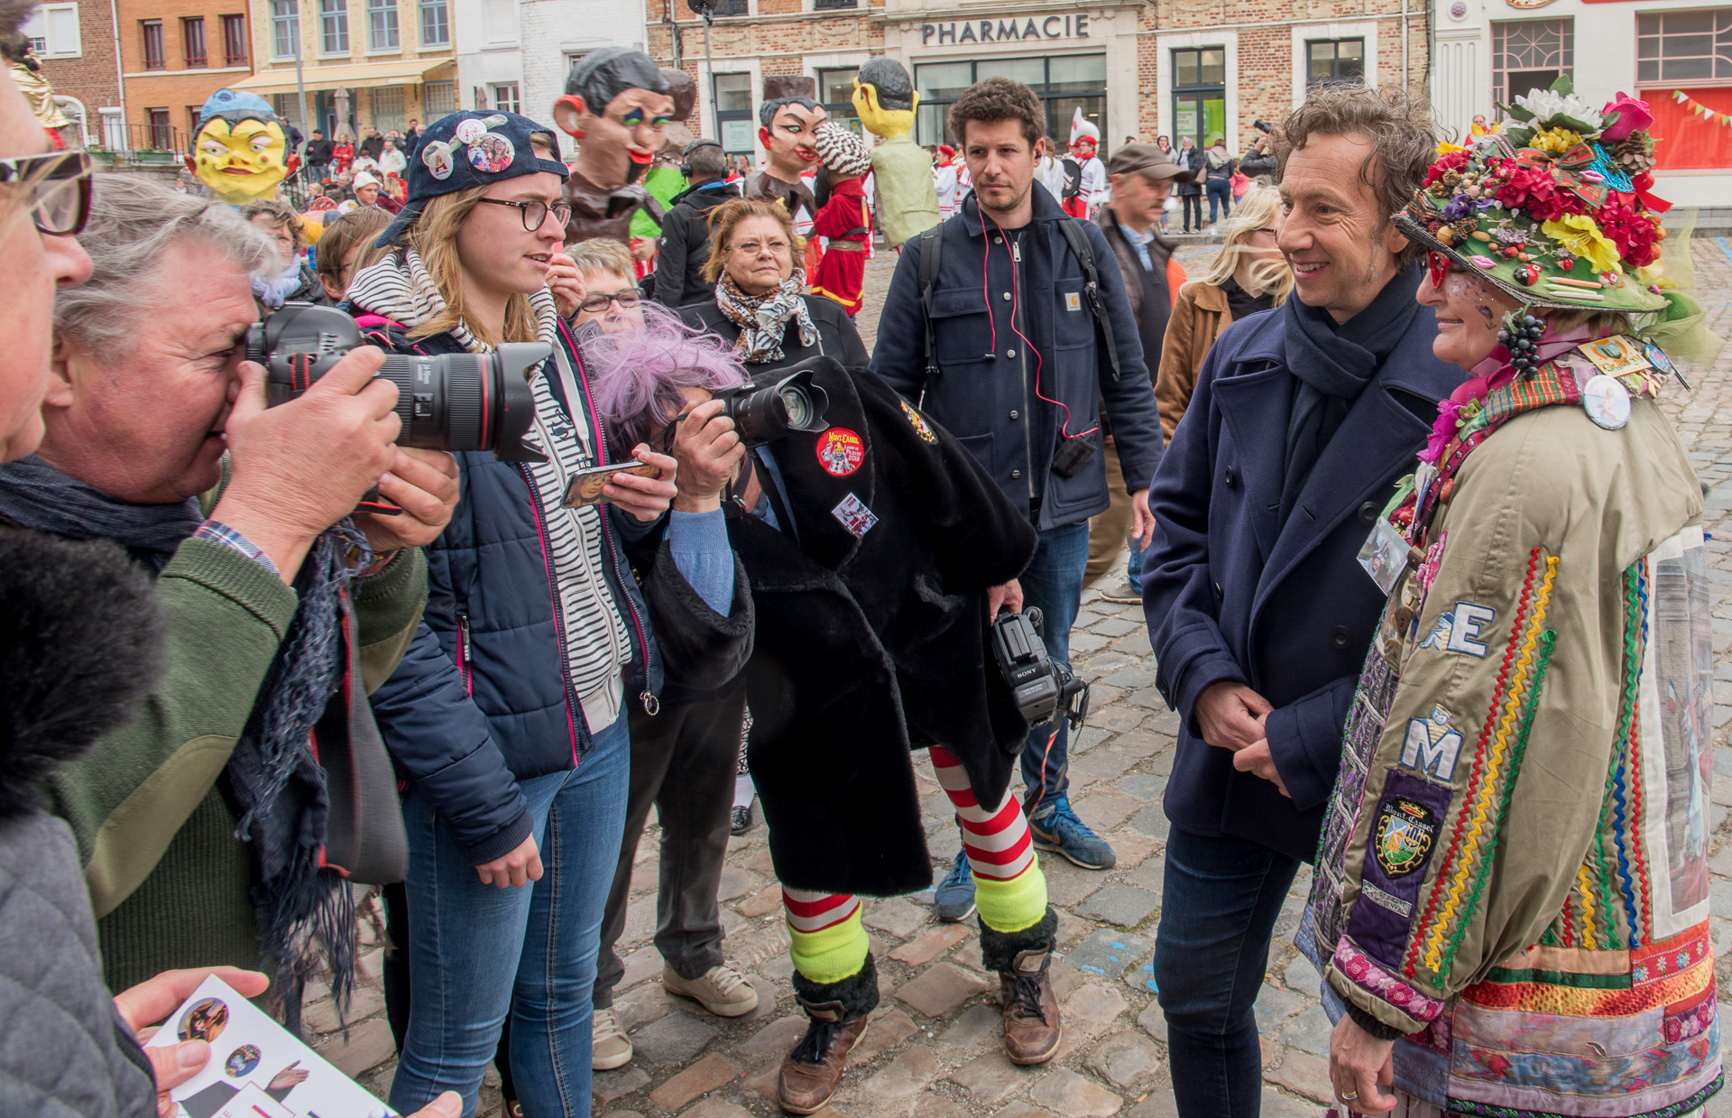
(435, 24)
(388, 108)
(438, 99)
(234, 40)
(154, 58)
(1064, 84)
(288, 106)
(192, 37)
(829, 5)
(53, 31)
(1334, 60)
(285, 27)
(1530, 54)
(836, 91)
(382, 25)
(161, 131)
(333, 26)
(504, 96)
(1199, 93)
(734, 119)
(1684, 46)
(735, 7)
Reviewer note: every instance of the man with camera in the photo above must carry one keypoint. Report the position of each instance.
(1259, 160)
(232, 797)
(1014, 340)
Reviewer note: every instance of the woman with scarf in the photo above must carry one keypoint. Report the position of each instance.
(507, 716)
(1511, 902)
(758, 308)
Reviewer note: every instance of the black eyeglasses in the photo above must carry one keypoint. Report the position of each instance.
(534, 213)
(59, 184)
(597, 303)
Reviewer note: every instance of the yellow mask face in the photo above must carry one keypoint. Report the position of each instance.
(242, 164)
(884, 123)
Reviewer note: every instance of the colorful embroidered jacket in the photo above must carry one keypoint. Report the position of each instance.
(1513, 869)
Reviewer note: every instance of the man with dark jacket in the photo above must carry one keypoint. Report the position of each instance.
(1027, 349)
(372, 145)
(1141, 177)
(685, 240)
(318, 156)
(1258, 613)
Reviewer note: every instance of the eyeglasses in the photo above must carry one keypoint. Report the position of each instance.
(752, 248)
(534, 213)
(59, 184)
(597, 303)
(1440, 267)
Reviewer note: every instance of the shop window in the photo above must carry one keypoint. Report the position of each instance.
(435, 23)
(234, 40)
(1199, 93)
(1685, 140)
(1334, 60)
(154, 57)
(192, 38)
(1530, 54)
(382, 25)
(285, 27)
(731, 94)
(438, 99)
(334, 26)
(1064, 84)
(1684, 46)
(836, 91)
(505, 97)
(388, 108)
(53, 31)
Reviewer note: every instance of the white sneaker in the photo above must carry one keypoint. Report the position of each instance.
(610, 1047)
(722, 990)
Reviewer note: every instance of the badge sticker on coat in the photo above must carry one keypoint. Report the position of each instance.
(1403, 836)
(1384, 556)
(916, 421)
(854, 515)
(840, 451)
(1607, 402)
(1615, 356)
(1072, 301)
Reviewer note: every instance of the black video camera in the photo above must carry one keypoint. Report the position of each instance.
(1043, 687)
(1263, 126)
(765, 413)
(453, 401)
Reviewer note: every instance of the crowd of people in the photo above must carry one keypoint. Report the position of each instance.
(1422, 565)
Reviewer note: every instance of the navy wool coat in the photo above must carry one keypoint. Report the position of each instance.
(1231, 594)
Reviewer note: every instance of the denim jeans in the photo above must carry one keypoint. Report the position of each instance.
(1218, 908)
(1134, 572)
(1192, 204)
(1220, 193)
(478, 952)
(1053, 583)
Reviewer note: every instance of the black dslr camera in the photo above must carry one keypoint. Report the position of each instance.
(1263, 126)
(764, 413)
(453, 401)
(1043, 687)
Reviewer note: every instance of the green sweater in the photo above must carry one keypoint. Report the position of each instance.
(168, 881)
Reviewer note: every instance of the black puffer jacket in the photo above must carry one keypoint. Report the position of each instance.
(684, 247)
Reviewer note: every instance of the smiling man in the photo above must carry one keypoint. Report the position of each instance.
(617, 105)
(1258, 613)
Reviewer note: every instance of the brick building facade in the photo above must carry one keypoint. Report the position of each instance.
(173, 55)
(75, 41)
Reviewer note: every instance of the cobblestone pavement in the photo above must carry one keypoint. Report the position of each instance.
(933, 1049)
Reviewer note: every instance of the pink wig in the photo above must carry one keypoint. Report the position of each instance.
(638, 374)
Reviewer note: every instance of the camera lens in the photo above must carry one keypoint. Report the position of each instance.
(796, 407)
(762, 415)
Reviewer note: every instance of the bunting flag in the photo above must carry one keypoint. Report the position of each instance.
(1700, 109)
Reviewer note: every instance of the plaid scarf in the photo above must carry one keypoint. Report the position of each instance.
(763, 319)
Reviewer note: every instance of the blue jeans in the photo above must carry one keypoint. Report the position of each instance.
(1218, 908)
(1220, 193)
(473, 946)
(1134, 572)
(1053, 583)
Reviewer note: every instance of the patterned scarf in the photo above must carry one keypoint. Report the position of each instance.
(402, 290)
(763, 319)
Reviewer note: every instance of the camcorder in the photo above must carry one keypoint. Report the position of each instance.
(452, 401)
(764, 413)
(1043, 688)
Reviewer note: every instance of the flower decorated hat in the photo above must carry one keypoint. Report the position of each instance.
(1555, 208)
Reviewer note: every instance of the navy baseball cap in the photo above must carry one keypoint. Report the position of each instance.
(471, 148)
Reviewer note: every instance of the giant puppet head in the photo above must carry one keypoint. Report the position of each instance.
(789, 118)
(617, 106)
(1085, 138)
(238, 148)
(884, 98)
(684, 91)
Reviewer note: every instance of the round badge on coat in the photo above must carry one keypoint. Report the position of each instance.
(840, 451)
(1606, 401)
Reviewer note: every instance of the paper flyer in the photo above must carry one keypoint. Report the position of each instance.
(257, 1068)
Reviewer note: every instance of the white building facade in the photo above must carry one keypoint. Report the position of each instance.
(514, 54)
(1492, 50)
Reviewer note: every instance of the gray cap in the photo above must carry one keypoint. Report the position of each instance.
(1149, 160)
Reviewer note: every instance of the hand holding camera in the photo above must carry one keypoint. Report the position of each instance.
(708, 451)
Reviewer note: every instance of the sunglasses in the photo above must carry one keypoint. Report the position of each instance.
(59, 183)
(1441, 266)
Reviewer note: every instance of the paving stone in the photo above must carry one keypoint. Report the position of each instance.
(930, 945)
(941, 988)
(1275, 1005)
(1144, 786)
(1304, 1074)
(321, 1016)
(1068, 886)
(1308, 1032)
(1302, 978)
(674, 1039)
(717, 1108)
(1125, 1059)
(1278, 1105)
(1025, 1110)
(645, 962)
(368, 1045)
(774, 1040)
(976, 1024)
(1151, 821)
(888, 1028)
(622, 1114)
(1105, 810)
(610, 1085)
(639, 1006)
(896, 916)
(1077, 1096)
(1108, 952)
(1151, 1021)
(908, 1074)
(709, 1073)
(1124, 905)
(1132, 848)
(765, 902)
(990, 1078)
(1096, 1004)
(1151, 875)
(1143, 978)
(1159, 1104)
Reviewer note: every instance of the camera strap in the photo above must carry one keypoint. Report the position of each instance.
(567, 394)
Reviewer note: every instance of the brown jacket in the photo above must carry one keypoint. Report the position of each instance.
(1199, 315)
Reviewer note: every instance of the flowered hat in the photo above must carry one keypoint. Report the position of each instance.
(1555, 208)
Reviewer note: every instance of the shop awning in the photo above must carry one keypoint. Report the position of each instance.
(363, 76)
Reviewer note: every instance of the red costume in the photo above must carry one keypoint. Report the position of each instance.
(844, 219)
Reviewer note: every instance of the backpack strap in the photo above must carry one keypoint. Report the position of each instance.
(1085, 255)
(931, 255)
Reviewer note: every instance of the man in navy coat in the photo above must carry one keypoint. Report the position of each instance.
(1302, 421)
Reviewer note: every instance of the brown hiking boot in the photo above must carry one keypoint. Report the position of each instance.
(1032, 1028)
(811, 1071)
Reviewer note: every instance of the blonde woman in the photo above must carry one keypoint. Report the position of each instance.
(1249, 275)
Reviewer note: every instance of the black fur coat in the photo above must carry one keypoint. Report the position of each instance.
(872, 637)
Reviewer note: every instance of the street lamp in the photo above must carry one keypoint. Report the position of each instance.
(707, 9)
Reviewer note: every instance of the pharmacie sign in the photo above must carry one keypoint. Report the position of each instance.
(1005, 30)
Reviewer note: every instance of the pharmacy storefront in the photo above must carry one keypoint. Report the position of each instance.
(1072, 57)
